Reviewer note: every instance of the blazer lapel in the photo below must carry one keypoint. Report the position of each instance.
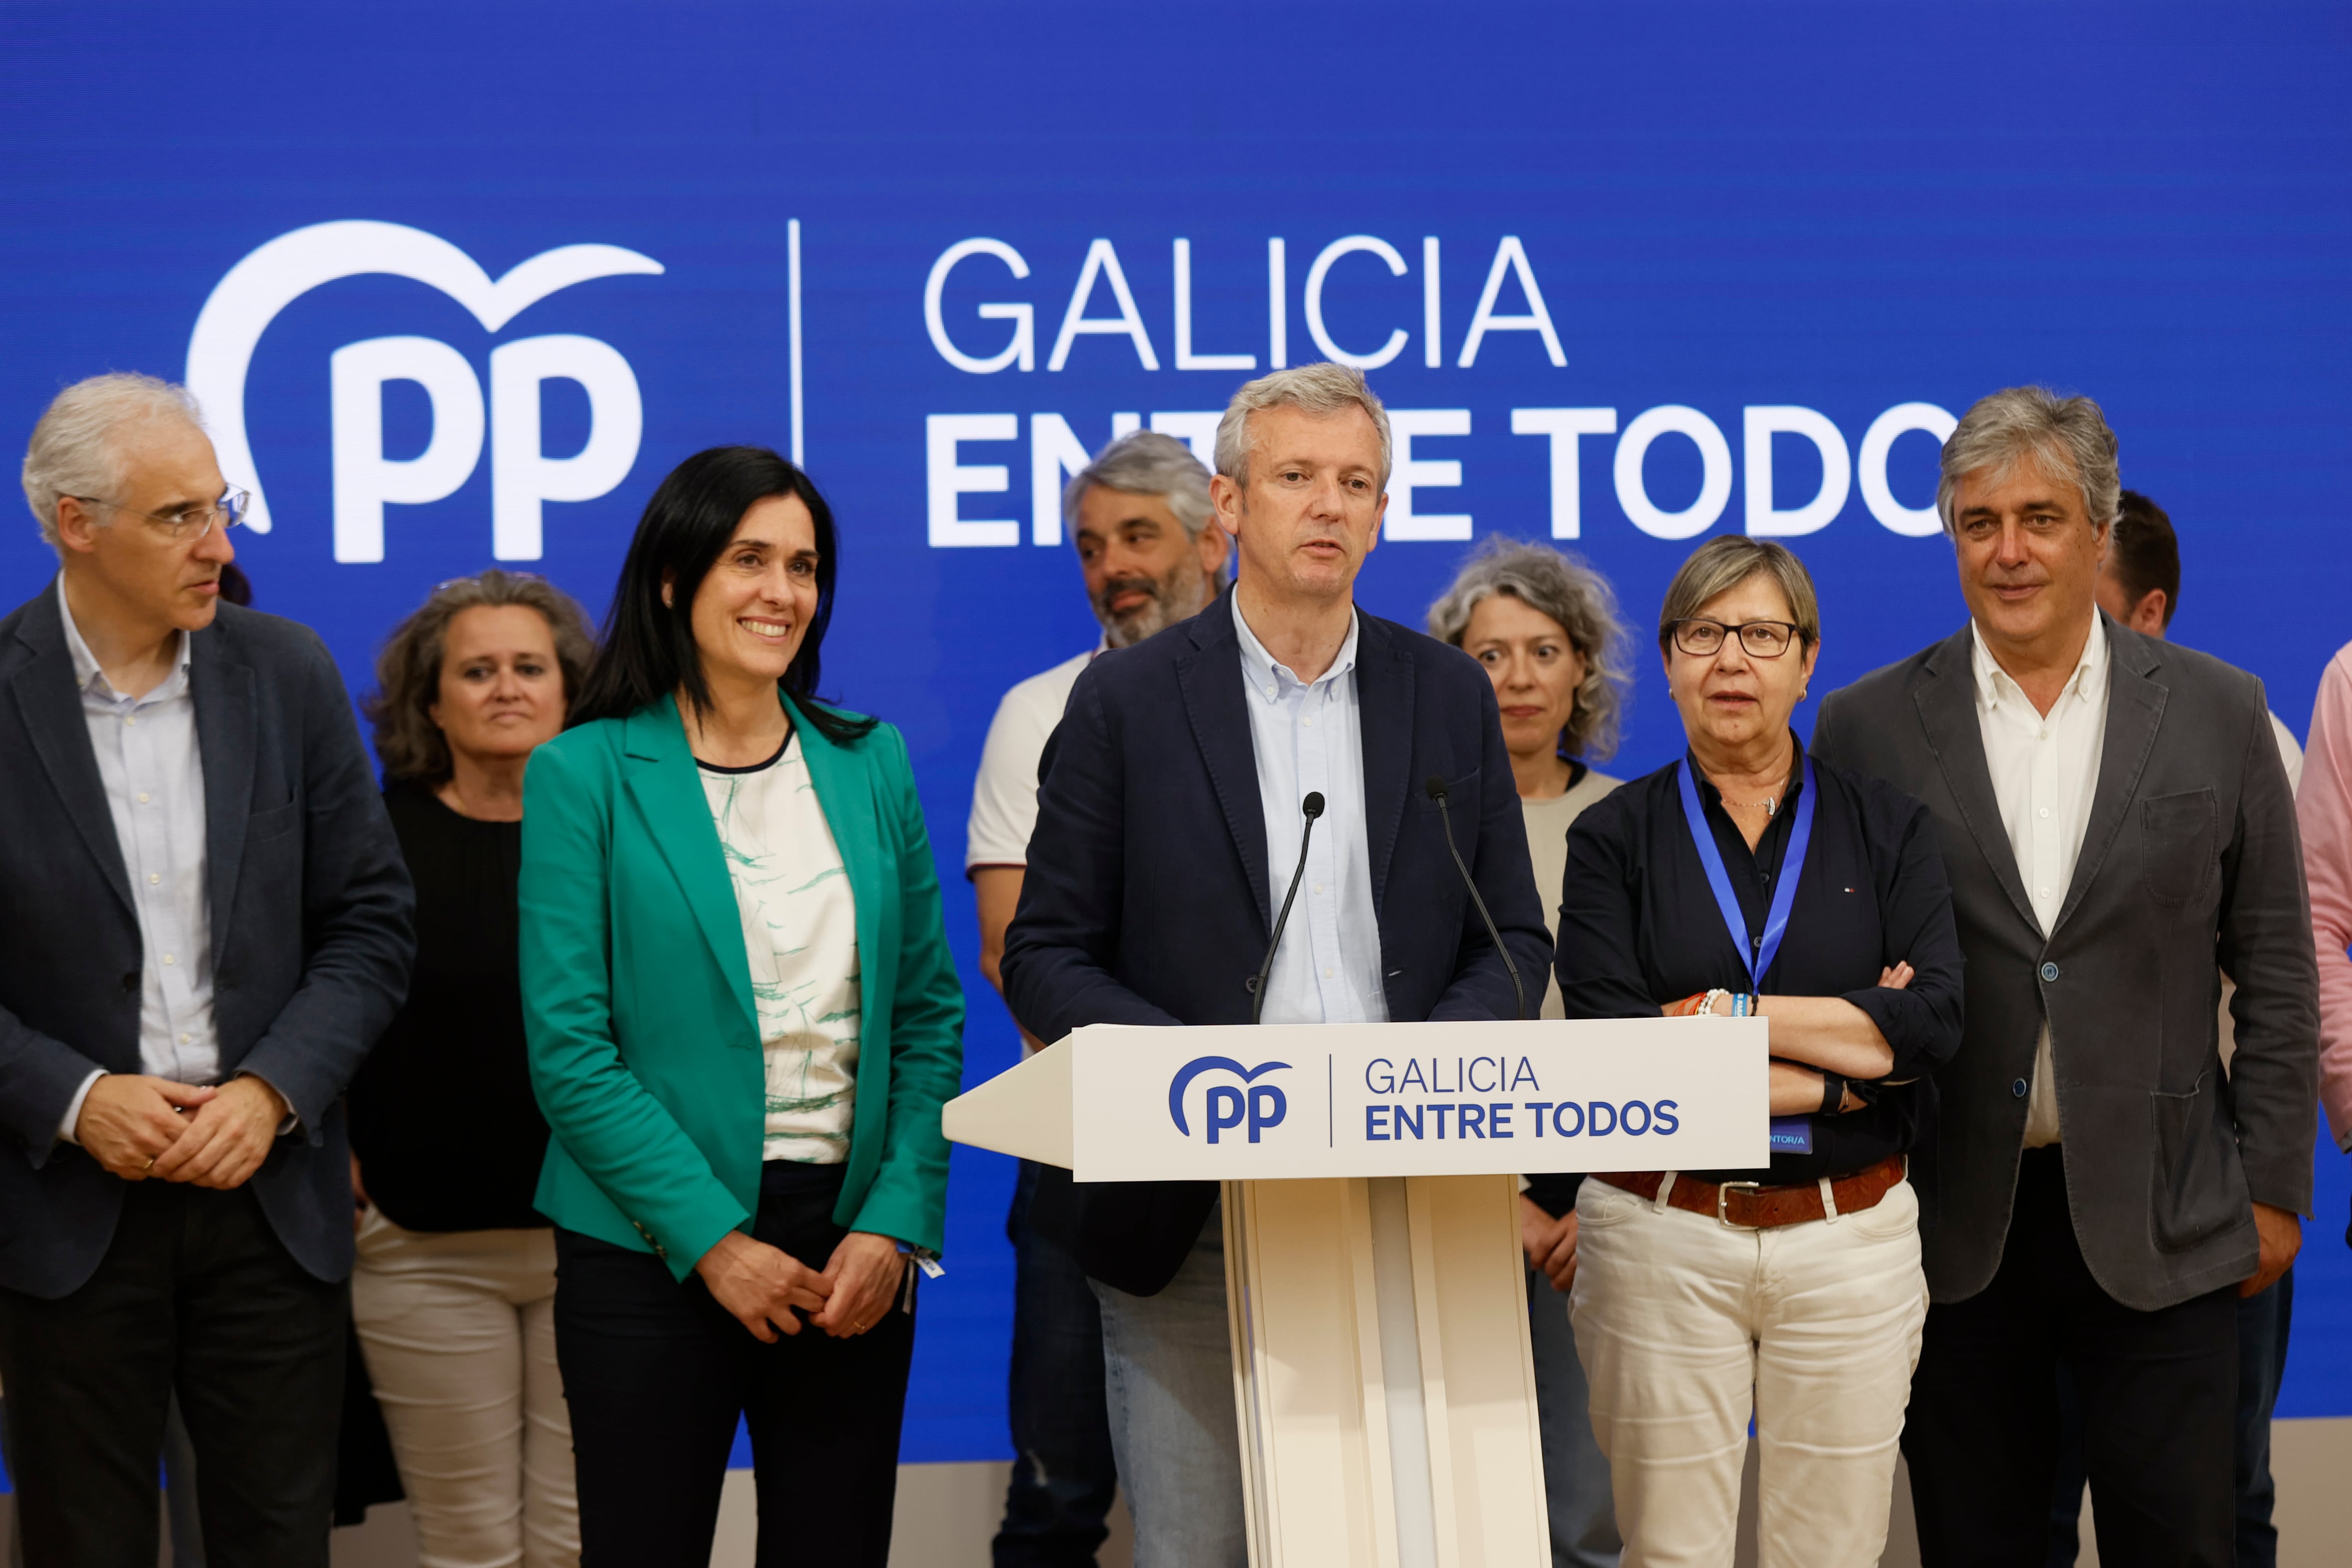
(844, 792)
(2134, 710)
(1384, 688)
(49, 703)
(1211, 681)
(1947, 701)
(222, 687)
(668, 792)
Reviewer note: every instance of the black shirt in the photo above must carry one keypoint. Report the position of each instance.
(446, 1129)
(1639, 927)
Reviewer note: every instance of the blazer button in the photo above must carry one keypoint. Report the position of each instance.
(2018, 1088)
(130, 980)
(2048, 972)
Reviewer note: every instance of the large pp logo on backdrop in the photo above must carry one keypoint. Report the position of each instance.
(523, 478)
(1224, 1106)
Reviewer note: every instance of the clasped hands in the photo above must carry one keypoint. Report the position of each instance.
(765, 1287)
(138, 1126)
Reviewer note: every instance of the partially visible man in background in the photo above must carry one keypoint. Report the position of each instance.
(1140, 514)
(2138, 586)
(208, 924)
(2325, 810)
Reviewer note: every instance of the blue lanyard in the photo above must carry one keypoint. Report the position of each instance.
(1758, 957)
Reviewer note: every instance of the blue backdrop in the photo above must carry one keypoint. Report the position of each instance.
(1827, 220)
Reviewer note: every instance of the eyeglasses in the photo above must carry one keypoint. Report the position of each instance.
(1761, 640)
(190, 522)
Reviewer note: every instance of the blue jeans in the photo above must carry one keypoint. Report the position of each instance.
(1169, 1375)
(2262, 1324)
(1064, 1473)
(1576, 1472)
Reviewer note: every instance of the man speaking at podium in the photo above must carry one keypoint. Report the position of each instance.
(1178, 818)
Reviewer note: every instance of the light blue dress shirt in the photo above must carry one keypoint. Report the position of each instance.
(1310, 737)
(153, 777)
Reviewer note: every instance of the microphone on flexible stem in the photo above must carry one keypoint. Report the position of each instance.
(1313, 807)
(1436, 789)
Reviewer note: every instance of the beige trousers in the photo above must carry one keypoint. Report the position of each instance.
(1687, 1326)
(458, 1329)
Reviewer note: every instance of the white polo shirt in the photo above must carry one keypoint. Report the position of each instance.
(1004, 796)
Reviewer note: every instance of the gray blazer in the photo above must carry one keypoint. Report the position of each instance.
(311, 925)
(2190, 856)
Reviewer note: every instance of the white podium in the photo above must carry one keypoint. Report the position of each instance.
(1382, 1382)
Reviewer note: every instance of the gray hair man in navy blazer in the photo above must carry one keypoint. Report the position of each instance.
(204, 923)
(1177, 803)
(2103, 1188)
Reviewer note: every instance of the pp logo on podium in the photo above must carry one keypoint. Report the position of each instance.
(1225, 1106)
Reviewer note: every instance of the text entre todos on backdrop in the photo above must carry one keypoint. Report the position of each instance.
(1057, 450)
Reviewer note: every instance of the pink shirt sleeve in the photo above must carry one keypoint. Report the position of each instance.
(2323, 810)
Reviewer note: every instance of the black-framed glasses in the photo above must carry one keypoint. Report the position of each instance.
(190, 522)
(1760, 640)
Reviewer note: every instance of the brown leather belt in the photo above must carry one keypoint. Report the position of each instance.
(1749, 1205)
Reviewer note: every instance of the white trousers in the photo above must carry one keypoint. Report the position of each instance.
(458, 1329)
(1687, 1326)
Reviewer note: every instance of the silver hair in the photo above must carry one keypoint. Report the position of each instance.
(1724, 563)
(1146, 463)
(74, 451)
(1324, 388)
(1566, 588)
(2006, 426)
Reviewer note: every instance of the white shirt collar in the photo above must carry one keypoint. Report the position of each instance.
(1264, 675)
(89, 677)
(1995, 686)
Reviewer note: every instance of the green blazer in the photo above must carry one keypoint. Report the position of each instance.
(645, 1042)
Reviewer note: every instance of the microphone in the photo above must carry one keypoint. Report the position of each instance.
(1313, 807)
(1434, 788)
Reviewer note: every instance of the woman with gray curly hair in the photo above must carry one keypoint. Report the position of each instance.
(1545, 626)
(454, 1294)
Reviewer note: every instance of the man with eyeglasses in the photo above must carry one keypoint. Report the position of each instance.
(2100, 1195)
(207, 924)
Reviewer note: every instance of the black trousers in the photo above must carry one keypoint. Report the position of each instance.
(2264, 1322)
(2158, 1393)
(656, 1374)
(1065, 1475)
(195, 1293)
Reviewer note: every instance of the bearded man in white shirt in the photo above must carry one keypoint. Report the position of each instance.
(1140, 515)
(2115, 817)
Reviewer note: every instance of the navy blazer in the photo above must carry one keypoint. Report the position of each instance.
(1148, 898)
(312, 935)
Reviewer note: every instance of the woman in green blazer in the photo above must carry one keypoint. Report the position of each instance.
(744, 1019)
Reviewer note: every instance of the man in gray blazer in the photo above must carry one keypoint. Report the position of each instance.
(2114, 816)
(204, 923)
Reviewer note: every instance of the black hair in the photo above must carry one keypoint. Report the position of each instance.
(2148, 552)
(648, 650)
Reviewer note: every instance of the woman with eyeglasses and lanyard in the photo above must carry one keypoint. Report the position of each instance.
(1750, 878)
(744, 1020)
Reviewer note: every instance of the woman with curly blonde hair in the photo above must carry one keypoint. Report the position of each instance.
(454, 1295)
